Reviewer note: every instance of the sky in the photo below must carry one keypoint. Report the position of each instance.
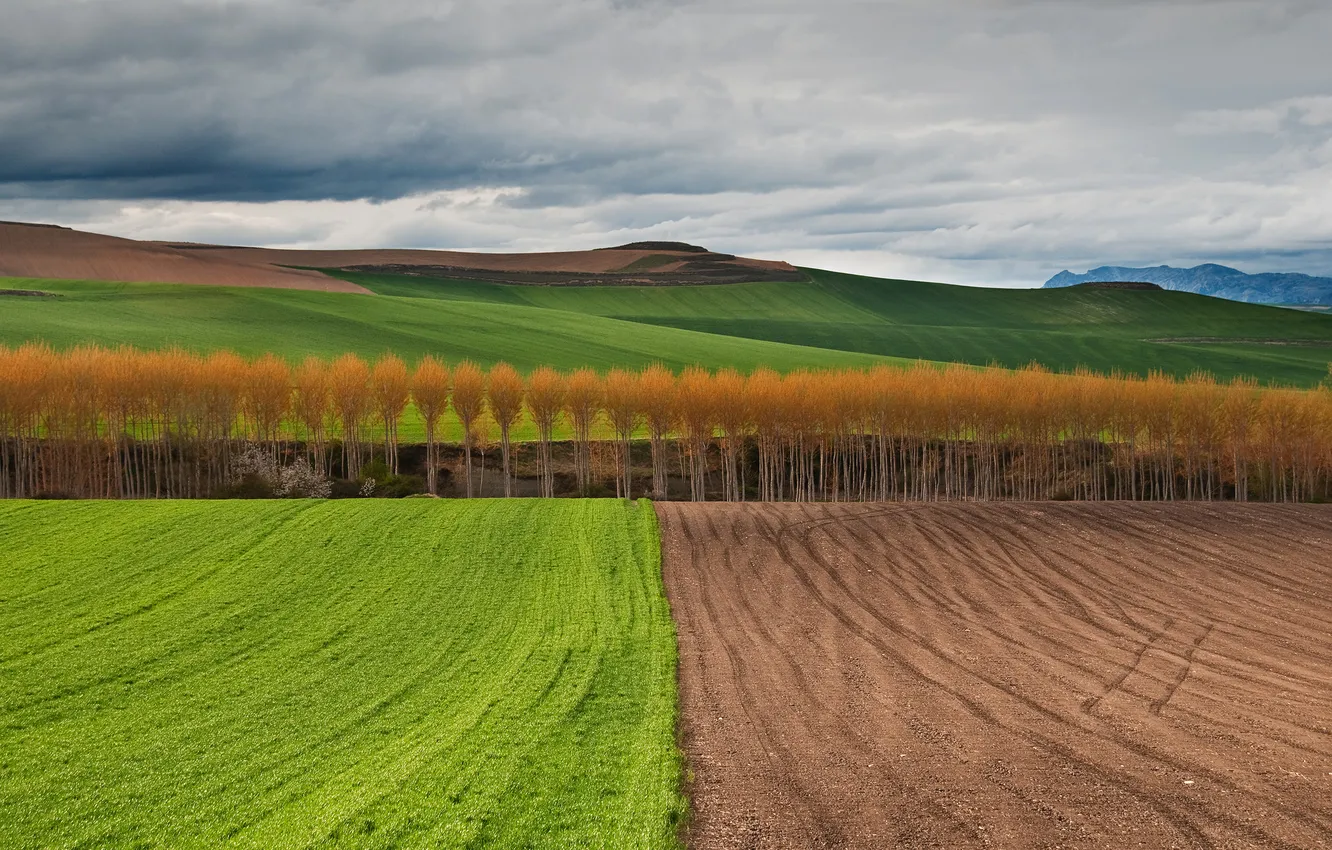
(989, 142)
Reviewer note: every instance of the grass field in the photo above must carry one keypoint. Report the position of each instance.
(830, 320)
(296, 323)
(1061, 328)
(368, 674)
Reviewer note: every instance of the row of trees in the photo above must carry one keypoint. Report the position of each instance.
(95, 422)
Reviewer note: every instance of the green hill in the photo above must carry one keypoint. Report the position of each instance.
(830, 320)
(295, 323)
(1103, 329)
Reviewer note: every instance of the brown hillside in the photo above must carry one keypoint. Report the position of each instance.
(56, 252)
(47, 251)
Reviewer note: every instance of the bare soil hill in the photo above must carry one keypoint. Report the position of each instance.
(635, 264)
(1005, 675)
(46, 251)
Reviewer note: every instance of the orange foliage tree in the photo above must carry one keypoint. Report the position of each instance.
(93, 422)
(430, 394)
(267, 399)
(505, 392)
(390, 386)
(545, 399)
(469, 398)
(310, 406)
(656, 399)
(349, 385)
(696, 406)
(583, 398)
(623, 412)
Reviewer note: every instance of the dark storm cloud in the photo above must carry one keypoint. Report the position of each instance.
(999, 139)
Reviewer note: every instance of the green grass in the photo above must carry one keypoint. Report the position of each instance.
(829, 320)
(1062, 328)
(363, 674)
(296, 323)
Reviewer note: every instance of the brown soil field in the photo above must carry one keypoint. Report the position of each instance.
(45, 251)
(1004, 675)
(55, 252)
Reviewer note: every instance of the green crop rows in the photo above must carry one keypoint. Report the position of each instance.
(829, 320)
(1104, 330)
(295, 323)
(362, 673)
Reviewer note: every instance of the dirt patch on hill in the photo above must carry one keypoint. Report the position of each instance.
(1130, 285)
(1005, 675)
(26, 293)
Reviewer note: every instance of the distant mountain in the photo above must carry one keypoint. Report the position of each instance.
(1211, 279)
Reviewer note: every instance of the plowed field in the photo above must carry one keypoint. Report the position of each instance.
(1049, 675)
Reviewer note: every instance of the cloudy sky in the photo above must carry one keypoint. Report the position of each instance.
(974, 141)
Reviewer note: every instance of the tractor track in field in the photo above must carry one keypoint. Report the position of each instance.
(1004, 675)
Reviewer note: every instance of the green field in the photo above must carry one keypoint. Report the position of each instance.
(359, 673)
(295, 323)
(830, 320)
(1061, 328)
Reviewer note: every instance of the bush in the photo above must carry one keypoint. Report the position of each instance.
(247, 486)
(398, 486)
(342, 489)
(256, 474)
(596, 490)
(301, 481)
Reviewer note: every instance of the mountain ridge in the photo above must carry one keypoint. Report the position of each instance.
(1212, 279)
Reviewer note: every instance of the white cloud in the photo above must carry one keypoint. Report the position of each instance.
(1313, 111)
(1222, 121)
(1269, 119)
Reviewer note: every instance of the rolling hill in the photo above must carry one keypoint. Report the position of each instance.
(51, 251)
(669, 302)
(1102, 329)
(294, 324)
(1212, 279)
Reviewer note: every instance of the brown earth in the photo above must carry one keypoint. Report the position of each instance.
(55, 252)
(45, 251)
(1016, 675)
